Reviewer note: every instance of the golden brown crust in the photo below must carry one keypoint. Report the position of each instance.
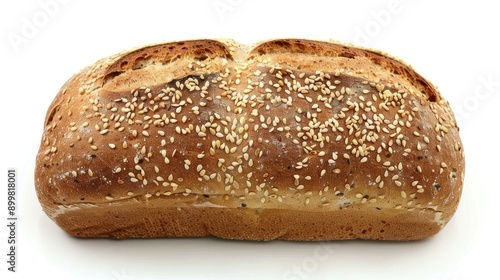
(126, 220)
(290, 128)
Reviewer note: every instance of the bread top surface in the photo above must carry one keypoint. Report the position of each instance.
(283, 124)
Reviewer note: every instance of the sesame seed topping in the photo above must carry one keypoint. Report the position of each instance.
(233, 140)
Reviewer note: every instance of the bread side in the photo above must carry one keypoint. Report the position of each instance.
(290, 139)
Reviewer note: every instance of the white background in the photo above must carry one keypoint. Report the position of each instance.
(452, 43)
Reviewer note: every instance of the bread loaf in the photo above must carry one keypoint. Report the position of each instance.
(287, 139)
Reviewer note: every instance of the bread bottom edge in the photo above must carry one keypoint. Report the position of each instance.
(124, 221)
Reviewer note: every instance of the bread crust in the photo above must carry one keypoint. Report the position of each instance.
(287, 139)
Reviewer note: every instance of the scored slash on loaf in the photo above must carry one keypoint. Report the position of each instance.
(287, 139)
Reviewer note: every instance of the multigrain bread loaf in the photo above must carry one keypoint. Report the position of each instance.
(287, 139)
